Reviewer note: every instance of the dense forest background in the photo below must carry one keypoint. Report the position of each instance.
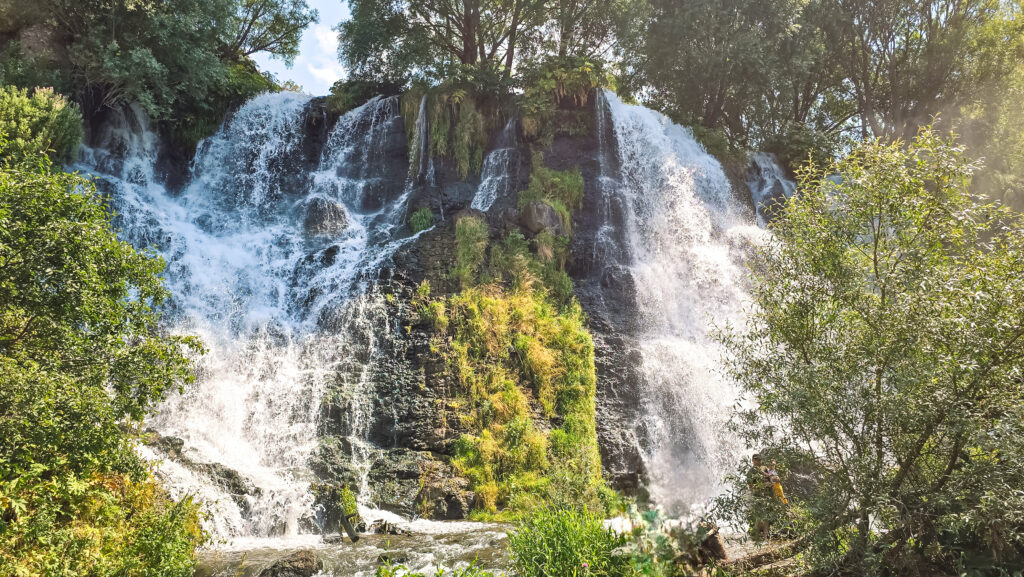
(886, 359)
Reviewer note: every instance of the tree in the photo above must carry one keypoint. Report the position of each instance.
(886, 350)
(908, 61)
(272, 26)
(734, 66)
(388, 40)
(83, 360)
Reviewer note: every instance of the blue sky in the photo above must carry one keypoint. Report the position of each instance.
(316, 67)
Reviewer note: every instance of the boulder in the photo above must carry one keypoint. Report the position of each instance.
(443, 494)
(324, 217)
(539, 216)
(299, 564)
(172, 446)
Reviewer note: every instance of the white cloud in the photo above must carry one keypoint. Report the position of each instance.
(316, 67)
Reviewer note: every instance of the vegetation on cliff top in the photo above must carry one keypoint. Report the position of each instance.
(184, 63)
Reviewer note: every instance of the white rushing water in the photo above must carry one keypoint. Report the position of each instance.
(687, 238)
(499, 169)
(262, 259)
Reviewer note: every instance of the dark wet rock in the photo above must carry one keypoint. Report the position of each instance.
(170, 445)
(299, 564)
(395, 477)
(386, 528)
(768, 185)
(443, 494)
(238, 487)
(324, 217)
(458, 194)
(539, 216)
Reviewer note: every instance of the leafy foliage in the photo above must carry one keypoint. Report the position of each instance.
(83, 362)
(567, 542)
(886, 352)
(183, 62)
(421, 219)
(42, 123)
(271, 26)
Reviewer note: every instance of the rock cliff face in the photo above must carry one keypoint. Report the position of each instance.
(404, 465)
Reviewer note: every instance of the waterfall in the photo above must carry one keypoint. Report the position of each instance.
(686, 239)
(269, 249)
(499, 169)
(769, 186)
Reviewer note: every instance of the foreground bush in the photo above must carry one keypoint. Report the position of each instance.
(83, 362)
(567, 542)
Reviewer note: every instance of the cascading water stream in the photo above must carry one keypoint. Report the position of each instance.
(768, 183)
(500, 166)
(267, 257)
(685, 237)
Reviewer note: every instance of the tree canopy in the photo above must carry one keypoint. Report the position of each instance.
(389, 40)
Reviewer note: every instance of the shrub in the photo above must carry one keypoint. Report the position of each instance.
(560, 189)
(567, 543)
(421, 219)
(83, 362)
(470, 249)
(40, 123)
(118, 526)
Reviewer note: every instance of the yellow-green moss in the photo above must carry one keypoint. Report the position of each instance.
(562, 190)
(517, 346)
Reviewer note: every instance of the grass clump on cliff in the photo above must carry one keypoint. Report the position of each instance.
(520, 353)
(562, 190)
(462, 114)
(421, 219)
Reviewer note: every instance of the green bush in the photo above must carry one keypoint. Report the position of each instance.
(83, 362)
(560, 189)
(567, 543)
(421, 219)
(36, 124)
